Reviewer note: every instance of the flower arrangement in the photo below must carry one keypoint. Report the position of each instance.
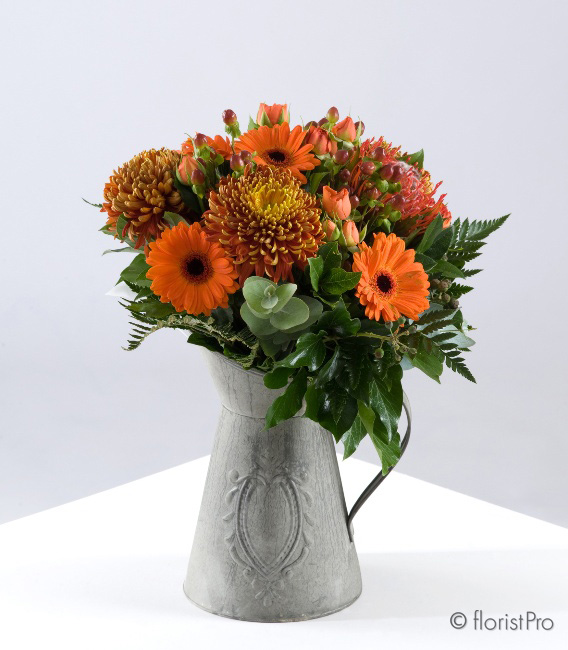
(326, 260)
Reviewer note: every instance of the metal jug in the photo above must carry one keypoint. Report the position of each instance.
(273, 541)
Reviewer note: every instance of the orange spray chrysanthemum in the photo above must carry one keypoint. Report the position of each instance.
(265, 221)
(190, 272)
(278, 146)
(392, 283)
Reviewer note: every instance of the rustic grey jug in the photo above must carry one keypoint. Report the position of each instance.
(273, 540)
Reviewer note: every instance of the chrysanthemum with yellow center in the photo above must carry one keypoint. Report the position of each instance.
(265, 221)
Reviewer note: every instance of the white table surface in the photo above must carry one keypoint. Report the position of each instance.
(106, 572)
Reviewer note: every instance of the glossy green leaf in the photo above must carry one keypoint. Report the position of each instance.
(431, 234)
(339, 322)
(135, 272)
(332, 407)
(310, 352)
(337, 281)
(330, 255)
(316, 271)
(290, 402)
(277, 377)
(352, 437)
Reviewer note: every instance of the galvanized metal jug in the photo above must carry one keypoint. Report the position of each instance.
(274, 540)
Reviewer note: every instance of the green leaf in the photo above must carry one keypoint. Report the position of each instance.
(431, 234)
(315, 180)
(440, 247)
(357, 375)
(315, 307)
(294, 313)
(417, 159)
(338, 321)
(427, 262)
(277, 377)
(95, 205)
(426, 361)
(252, 124)
(290, 402)
(310, 352)
(331, 369)
(205, 341)
(258, 326)
(457, 364)
(173, 219)
(352, 437)
(254, 292)
(316, 271)
(135, 272)
(337, 281)
(330, 255)
(126, 249)
(332, 407)
(386, 402)
(283, 293)
(448, 270)
(477, 230)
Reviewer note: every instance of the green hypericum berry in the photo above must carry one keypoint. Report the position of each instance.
(379, 353)
(446, 297)
(454, 304)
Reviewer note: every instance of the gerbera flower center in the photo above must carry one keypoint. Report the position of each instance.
(197, 268)
(276, 157)
(384, 282)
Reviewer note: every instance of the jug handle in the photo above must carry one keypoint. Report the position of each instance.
(380, 477)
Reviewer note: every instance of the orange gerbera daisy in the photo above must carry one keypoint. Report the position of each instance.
(190, 272)
(278, 146)
(392, 283)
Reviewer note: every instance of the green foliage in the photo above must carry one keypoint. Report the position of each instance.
(290, 402)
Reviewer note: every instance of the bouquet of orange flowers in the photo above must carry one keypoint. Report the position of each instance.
(326, 260)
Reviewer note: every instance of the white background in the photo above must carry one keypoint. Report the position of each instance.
(86, 85)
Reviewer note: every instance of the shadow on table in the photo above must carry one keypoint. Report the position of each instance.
(410, 585)
(395, 585)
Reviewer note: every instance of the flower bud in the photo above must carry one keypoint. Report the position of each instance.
(386, 172)
(330, 230)
(197, 177)
(237, 163)
(354, 200)
(397, 202)
(332, 115)
(379, 154)
(336, 204)
(350, 233)
(345, 130)
(454, 304)
(310, 123)
(360, 125)
(185, 168)
(200, 140)
(320, 141)
(246, 156)
(341, 156)
(322, 121)
(271, 115)
(367, 168)
(229, 117)
(373, 194)
(397, 173)
(344, 175)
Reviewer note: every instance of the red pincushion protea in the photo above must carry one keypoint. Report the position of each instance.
(416, 200)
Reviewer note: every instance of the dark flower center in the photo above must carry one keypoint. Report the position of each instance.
(384, 283)
(197, 268)
(276, 156)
